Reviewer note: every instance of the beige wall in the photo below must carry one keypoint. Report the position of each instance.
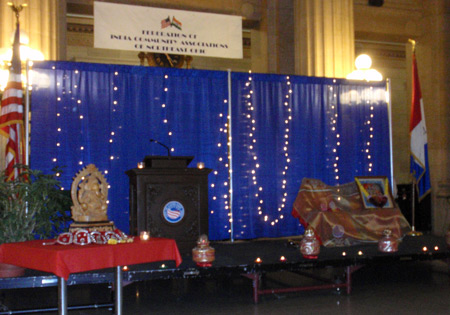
(384, 33)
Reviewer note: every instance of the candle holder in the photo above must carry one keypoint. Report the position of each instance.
(203, 254)
(309, 245)
(388, 243)
(144, 235)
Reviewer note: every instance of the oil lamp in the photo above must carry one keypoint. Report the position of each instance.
(309, 245)
(388, 243)
(203, 254)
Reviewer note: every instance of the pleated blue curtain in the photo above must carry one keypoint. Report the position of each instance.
(105, 115)
(261, 126)
(196, 110)
(286, 128)
(283, 129)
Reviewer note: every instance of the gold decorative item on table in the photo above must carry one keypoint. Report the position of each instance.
(388, 243)
(203, 254)
(89, 194)
(310, 245)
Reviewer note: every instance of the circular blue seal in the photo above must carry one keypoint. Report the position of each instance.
(173, 212)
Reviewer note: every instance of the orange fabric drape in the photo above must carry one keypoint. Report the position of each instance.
(322, 207)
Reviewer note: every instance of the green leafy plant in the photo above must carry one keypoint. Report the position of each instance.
(32, 206)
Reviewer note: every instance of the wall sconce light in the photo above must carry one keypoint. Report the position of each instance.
(363, 71)
(26, 54)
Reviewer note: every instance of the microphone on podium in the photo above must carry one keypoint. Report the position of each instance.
(162, 144)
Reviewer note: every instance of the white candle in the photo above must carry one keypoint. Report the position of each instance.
(144, 236)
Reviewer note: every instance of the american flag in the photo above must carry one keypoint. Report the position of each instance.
(165, 23)
(11, 117)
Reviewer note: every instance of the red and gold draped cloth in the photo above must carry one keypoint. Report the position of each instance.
(323, 207)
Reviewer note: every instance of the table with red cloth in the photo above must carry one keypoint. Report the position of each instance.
(62, 260)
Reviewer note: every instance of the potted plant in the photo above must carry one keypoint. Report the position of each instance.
(32, 206)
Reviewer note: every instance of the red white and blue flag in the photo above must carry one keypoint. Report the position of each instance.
(418, 136)
(166, 22)
(11, 117)
(173, 214)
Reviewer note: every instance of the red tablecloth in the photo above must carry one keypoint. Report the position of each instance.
(62, 260)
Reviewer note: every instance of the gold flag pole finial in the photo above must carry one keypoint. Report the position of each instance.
(17, 8)
(413, 43)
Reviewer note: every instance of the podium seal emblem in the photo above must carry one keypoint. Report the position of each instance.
(173, 212)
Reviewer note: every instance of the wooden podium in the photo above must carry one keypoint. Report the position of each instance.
(168, 199)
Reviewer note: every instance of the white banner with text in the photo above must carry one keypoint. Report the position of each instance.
(127, 27)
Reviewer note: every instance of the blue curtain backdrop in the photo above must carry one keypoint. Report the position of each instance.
(289, 127)
(283, 129)
(105, 115)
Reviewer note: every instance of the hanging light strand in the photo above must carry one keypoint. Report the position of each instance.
(334, 116)
(287, 114)
(216, 187)
(164, 106)
(370, 128)
(254, 162)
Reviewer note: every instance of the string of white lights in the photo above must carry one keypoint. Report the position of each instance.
(368, 143)
(223, 159)
(252, 147)
(58, 115)
(287, 106)
(336, 135)
(165, 120)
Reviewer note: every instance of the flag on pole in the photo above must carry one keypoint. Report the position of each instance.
(11, 117)
(418, 136)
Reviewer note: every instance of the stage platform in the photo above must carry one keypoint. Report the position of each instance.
(239, 258)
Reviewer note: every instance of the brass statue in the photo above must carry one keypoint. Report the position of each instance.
(89, 196)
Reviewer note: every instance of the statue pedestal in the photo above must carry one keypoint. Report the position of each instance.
(102, 226)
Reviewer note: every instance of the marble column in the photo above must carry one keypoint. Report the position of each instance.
(432, 48)
(324, 38)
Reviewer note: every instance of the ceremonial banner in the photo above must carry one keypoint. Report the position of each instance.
(127, 27)
(418, 134)
(11, 119)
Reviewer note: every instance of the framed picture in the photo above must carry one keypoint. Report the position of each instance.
(375, 192)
